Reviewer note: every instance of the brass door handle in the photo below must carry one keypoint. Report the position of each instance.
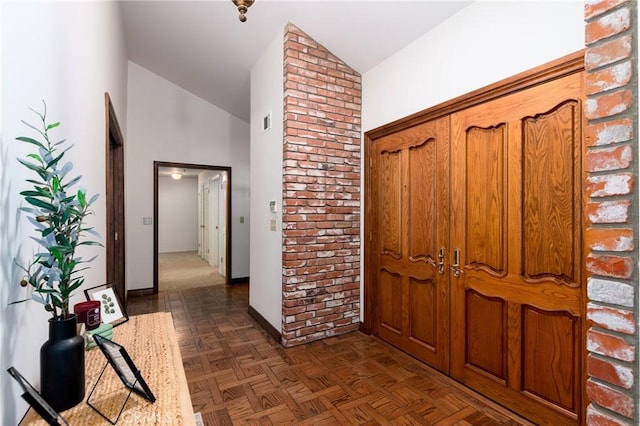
(455, 267)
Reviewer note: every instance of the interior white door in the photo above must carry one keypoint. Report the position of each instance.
(205, 222)
(200, 220)
(222, 220)
(214, 233)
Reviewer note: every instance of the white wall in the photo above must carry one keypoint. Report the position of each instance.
(69, 54)
(483, 43)
(167, 123)
(178, 214)
(266, 183)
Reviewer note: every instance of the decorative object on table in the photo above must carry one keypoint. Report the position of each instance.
(58, 212)
(88, 313)
(105, 330)
(125, 368)
(35, 400)
(62, 365)
(111, 310)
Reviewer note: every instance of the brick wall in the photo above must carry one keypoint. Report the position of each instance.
(321, 192)
(612, 204)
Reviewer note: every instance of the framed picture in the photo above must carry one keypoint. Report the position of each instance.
(111, 310)
(125, 368)
(36, 401)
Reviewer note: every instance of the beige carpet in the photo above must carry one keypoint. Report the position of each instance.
(182, 270)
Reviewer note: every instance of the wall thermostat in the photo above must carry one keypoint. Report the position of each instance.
(273, 206)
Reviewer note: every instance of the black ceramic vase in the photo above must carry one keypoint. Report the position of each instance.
(62, 365)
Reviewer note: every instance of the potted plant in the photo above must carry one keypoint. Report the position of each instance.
(57, 211)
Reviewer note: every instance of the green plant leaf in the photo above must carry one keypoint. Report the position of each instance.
(73, 181)
(35, 157)
(75, 285)
(31, 141)
(39, 203)
(32, 166)
(90, 243)
(37, 193)
(53, 125)
(81, 198)
(55, 184)
(60, 142)
(54, 161)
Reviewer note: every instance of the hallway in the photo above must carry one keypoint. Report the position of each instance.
(238, 374)
(182, 270)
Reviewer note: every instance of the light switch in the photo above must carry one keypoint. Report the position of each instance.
(273, 224)
(147, 221)
(241, 219)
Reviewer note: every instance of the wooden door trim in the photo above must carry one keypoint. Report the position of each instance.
(566, 65)
(558, 68)
(369, 325)
(156, 166)
(114, 194)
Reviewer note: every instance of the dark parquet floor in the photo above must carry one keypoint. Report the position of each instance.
(238, 374)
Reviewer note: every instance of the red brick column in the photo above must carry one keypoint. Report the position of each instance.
(612, 202)
(321, 193)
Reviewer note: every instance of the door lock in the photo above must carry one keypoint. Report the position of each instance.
(441, 261)
(455, 267)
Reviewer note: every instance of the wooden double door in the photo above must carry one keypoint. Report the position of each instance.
(475, 246)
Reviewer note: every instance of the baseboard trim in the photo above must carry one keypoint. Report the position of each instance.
(140, 292)
(265, 324)
(241, 280)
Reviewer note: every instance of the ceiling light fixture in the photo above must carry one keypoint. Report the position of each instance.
(176, 176)
(243, 6)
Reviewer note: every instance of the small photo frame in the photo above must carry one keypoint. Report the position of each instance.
(123, 365)
(36, 401)
(111, 309)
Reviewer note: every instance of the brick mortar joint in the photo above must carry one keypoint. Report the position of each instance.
(627, 87)
(619, 116)
(601, 68)
(626, 32)
(614, 361)
(626, 226)
(599, 148)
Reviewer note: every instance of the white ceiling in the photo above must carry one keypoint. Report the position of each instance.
(202, 46)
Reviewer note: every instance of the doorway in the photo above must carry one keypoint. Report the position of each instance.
(192, 238)
(114, 239)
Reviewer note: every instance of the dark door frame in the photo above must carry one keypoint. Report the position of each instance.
(114, 190)
(156, 166)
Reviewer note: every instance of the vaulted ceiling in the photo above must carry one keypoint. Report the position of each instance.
(203, 47)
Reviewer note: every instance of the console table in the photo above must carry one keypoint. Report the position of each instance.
(152, 344)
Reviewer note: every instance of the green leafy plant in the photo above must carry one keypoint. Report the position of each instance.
(58, 213)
